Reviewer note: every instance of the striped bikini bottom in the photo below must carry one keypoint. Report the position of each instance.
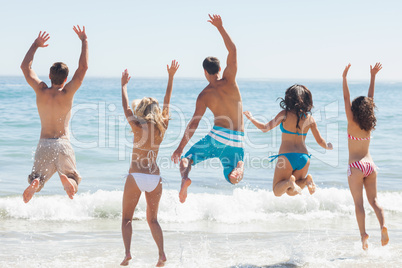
(367, 167)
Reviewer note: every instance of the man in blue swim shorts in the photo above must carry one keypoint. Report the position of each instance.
(222, 97)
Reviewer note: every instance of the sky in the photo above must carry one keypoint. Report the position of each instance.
(274, 39)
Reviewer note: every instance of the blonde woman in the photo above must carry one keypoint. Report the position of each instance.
(148, 123)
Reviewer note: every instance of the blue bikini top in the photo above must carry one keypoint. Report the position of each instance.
(290, 132)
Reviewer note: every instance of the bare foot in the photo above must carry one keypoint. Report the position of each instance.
(30, 190)
(310, 184)
(68, 186)
(237, 173)
(365, 238)
(293, 186)
(185, 183)
(126, 260)
(161, 261)
(384, 236)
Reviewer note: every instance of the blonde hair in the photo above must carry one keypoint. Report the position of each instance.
(148, 109)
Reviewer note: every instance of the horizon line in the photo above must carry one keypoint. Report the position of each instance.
(239, 79)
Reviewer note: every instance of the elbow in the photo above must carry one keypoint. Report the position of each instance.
(193, 125)
(233, 50)
(84, 67)
(24, 67)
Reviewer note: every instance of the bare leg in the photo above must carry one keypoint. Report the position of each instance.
(237, 173)
(131, 196)
(356, 188)
(70, 185)
(302, 180)
(370, 183)
(310, 184)
(185, 167)
(153, 199)
(365, 238)
(384, 236)
(31, 190)
(284, 181)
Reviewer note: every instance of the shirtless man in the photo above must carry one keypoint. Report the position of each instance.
(222, 97)
(54, 151)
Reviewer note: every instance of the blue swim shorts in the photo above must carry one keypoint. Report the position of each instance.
(220, 142)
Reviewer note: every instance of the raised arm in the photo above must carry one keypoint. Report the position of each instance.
(231, 62)
(166, 102)
(373, 72)
(125, 78)
(79, 74)
(319, 139)
(26, 65)
(346, 94)
(268, 126)
(192, 126)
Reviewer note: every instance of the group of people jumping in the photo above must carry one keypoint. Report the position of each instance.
(149, 122)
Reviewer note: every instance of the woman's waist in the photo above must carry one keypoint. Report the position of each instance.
(144, 167)
(359, 157)
(293, 148)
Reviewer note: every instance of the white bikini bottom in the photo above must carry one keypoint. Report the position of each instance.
(146, 182)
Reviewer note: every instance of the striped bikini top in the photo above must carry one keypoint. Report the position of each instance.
(350, 137)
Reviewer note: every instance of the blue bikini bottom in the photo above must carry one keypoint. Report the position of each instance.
(297, 160)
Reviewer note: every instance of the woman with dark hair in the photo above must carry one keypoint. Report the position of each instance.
(362, 170)
(295, 120)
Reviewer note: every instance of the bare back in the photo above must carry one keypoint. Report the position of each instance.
(224, 100)
(54, 108)
(147, 140)
(292, 143)
(358, 149)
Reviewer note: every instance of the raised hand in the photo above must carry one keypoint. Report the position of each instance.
(215, 20)
(376, 69)
(42, 39)
(248, 114)
(125, 77)
(173, 68)
(81, 34)
(329, 146)
(345, 72)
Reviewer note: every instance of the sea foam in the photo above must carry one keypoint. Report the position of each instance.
(241, 206)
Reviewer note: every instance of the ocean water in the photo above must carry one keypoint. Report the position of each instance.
(220, 225)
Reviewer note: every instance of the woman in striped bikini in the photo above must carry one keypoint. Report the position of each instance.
(362, 170)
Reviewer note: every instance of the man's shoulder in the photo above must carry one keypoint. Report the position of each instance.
(42, 87)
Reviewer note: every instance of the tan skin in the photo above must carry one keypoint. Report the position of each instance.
(222, 97)
(286, 180)
(146, 137)
(359, 150)
(54, 103)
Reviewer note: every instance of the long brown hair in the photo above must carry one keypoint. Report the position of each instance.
(363, 113)
(298, 99)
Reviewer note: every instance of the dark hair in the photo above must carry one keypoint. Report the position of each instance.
(363, 113)
(211, 65)
(298, 99)
(58, 73)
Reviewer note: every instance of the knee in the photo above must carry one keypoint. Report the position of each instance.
(126, 222)
(183, 162)
(374, 203)
(359, 208)
(277, 193)
(152, 220)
